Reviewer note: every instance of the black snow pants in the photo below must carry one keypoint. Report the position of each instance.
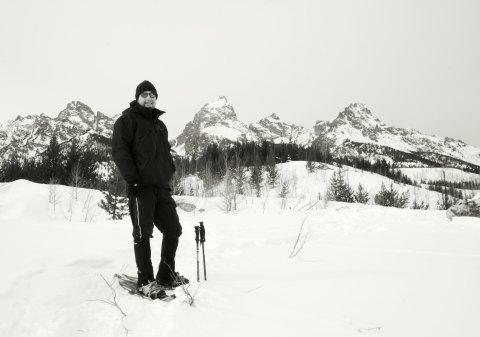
(154, 206)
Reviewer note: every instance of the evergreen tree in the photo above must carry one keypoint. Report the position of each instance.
(391, 197)
(52, 159)
(88, 162)
(11, 168)
(422, 205)
(72, 159)
(256, 179)
(30, 170)
(310, 165)
(239, 173)
(446, 201)
(339, 189)
(115, 202)
(361, 196)
(256, 176)
(284, 190)
(272, 171)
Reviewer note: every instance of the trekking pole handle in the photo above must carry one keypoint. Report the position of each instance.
(197, 232)
(202, 232)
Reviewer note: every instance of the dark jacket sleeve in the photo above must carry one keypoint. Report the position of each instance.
(122, 145)
(165, 132)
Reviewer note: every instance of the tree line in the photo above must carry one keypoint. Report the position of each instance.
(62, 161)
(65, 164)
(70, 163)
(215, 160)
(464, 185)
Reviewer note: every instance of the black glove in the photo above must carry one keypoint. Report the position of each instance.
(133, 190)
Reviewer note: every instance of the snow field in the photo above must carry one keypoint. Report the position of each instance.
(308, 187)
(364, 270)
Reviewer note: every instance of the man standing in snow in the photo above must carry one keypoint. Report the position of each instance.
(141, 152)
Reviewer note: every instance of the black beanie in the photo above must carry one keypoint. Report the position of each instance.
(145, 86)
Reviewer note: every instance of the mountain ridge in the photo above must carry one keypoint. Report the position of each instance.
(217, 122)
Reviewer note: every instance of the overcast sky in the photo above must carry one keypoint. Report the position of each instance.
(412, 63)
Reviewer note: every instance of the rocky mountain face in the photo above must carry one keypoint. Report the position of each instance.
(273, 129)
(30, 135)
(217, 122)
(355, 132)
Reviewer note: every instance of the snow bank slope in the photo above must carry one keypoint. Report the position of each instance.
(308, 186)
(363, 270)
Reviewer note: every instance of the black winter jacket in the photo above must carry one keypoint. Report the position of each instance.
(140, 147)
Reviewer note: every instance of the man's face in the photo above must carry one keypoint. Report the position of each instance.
(147, 99)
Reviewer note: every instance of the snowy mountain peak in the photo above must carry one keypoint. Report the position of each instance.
(217, 102)
(358, 116)
(273, 129)
(19, 118)
(356, 125)
(358, 108)
(77, 110)
(216, 121)
(217, 110)
(274, 116)
(77, 105)
(29, 135)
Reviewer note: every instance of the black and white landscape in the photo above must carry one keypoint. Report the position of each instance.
(330, 148)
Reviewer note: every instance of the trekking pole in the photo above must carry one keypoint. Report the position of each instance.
(202, 240)
(197, 232)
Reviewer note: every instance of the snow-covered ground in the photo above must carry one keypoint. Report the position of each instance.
(309, 185)
(364, 270)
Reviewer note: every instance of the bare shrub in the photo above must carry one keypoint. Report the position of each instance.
(284, 191)
(89, 209)
(293, 184)
(54, 196)
(266, 195)
(189, 295)
(228, 192)
(113, 302)
(323, 197)
(76, 179)
(300, 240)
(208, 181)
(71, 204)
